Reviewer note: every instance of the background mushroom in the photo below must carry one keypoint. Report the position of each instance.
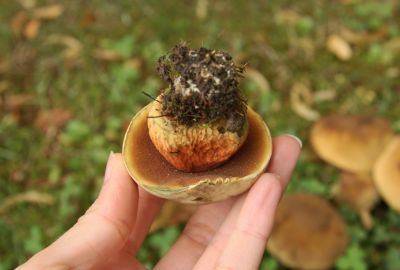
(351, 142)
(308, 233)
(359, 193)
(387, 174)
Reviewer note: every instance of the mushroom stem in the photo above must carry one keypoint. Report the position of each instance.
(366, 219)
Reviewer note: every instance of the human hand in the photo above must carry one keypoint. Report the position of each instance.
(225, 235)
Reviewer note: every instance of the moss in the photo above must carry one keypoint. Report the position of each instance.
(203, 87)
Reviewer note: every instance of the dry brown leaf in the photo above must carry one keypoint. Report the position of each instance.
(18, 21)
(31, 29)
(106, 55)
(53, 118)
(258, 78)
(301, 100)
(50, 12)
(339, 47)
(73, 46)
(361, 38)
(28, 196)
(393, 44)
(289, 17)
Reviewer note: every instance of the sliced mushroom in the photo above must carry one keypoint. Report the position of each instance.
(387, 174)
(151, 171)
(359, 193)
(308, 233)
(351, 142)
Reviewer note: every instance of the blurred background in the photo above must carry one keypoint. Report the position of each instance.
(71, 76)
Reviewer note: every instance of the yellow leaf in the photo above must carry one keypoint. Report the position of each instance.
(28, 196)
(339, 47)
(48, 12)
(31, 29)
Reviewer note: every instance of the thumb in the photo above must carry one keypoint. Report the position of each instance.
(102, 231)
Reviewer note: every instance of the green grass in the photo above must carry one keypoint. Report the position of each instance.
(103, 95)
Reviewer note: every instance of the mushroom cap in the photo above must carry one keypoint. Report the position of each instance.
(308, 233)
(356, 191)
(350, 142)
(193, 148)
(153, 173)
(387, 174)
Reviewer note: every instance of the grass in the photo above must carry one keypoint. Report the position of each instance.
(283, 40)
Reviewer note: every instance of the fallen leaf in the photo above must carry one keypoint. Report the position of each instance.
(28, 196)
(339, 47)
(88, 18)
(18, 21)
(31, 29)
(53, 118)
(258, 78)
(393, 44)
(361, 38)
(301, 100)
(27, 4)
(106, 55)
(286, 16)
(324, 95)
(201, 9)
(73, 46)
(50, 12)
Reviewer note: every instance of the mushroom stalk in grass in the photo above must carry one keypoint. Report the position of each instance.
(198, 141)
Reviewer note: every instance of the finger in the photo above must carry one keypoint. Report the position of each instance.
(196, 236)
(253, 226)
(287, 155)
(213, 251)
(102, 231)
(148, 209)
(286, 150)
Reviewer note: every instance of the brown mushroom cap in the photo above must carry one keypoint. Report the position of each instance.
(350, 142)
(387, 174)
(308, 233)
(356, 191)
(151, 171)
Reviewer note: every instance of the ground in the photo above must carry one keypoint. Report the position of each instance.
(72, 76)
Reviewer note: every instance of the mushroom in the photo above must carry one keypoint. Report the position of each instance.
(308, 233)
(359, 193)
(198, 141)
(386, 174)
(350, 142)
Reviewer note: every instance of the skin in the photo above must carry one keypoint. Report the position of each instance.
(226, 235)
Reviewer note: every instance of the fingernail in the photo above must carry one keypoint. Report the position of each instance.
(107, 174)
(297, 139)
